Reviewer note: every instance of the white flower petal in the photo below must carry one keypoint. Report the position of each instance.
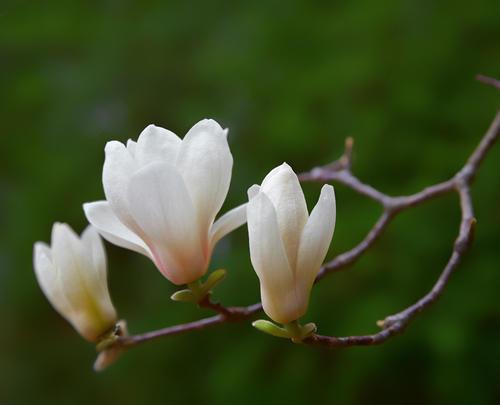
(102, 217)
(131, 146)
(253, 191)
(119, 165)
(93, 246)
(161, 205)
(316, 237)
(205, 163)
(47, 277)
(282, 187)
(79, 284)
(228, 223)
(96, 274)
(157, 144)
(70, 259)
(269, 260)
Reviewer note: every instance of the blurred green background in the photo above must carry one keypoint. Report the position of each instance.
(291, 80)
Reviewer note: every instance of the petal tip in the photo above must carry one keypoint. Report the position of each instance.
(113, 146)
(39, 247)
(253, 191)
(209, 123)
(327, 191)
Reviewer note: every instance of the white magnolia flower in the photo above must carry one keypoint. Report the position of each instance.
(163, 194)
(72, 275)
(287, 246)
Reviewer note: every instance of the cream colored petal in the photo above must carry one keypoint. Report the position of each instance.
(316, 238)
(94, 249)
(161, 205)
(228, 222)
(97, 274)
(205, 163)
(47, 277)
(101, 216)
(157, 144)
(70, 259)
(282, 187)
(269, 259)
(286, 307)
(75, 271)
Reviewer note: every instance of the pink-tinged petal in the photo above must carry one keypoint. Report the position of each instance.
(160, 203)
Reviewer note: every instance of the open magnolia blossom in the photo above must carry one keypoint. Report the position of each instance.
(163, 194)
(72, 275)
(287, 246)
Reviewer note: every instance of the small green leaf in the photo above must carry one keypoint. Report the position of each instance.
(213, 279)
(183, 296)
(270, 328)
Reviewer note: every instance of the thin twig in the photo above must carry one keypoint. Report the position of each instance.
(229, 314)
(461, 182)
(340, 171)
(490, 81)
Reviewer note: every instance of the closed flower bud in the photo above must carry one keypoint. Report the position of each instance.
(163, 194)
(72, 275)
(287, 246)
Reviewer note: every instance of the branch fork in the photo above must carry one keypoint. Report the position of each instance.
(340, 172)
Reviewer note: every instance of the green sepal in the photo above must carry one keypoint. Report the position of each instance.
(293, 330)
(213, 280)
(109, 338)
(198, 290)
(298, 332)
(183, 296)
(270, 328)
(308, 329)
(108, 346)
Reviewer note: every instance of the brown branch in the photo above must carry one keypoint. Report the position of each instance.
(230, 314)
(340, 171)
(461, 182)
(490, 81)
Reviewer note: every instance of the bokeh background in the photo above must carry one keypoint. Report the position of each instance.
(291, 80)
